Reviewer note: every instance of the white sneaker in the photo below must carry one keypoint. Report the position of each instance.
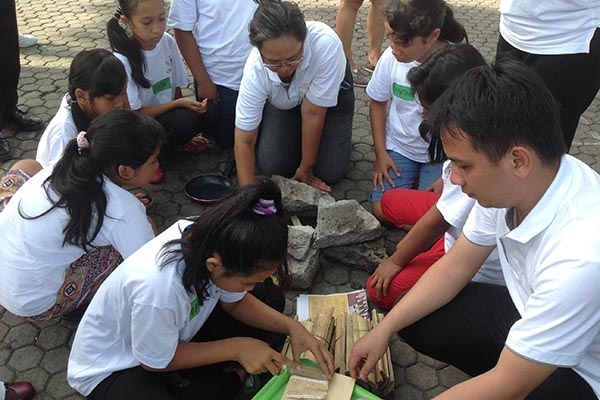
(27, 40)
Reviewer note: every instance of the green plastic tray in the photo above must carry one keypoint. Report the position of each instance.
(275, 388)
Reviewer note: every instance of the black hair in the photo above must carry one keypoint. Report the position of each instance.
(118, 137)
(127, 45)
(274, 19)
(242, 238)
(500, 106)
(410, 18)
(99, 73)
(430, 79)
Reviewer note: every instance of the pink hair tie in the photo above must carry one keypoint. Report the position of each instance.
(82, 142)
(264, 207)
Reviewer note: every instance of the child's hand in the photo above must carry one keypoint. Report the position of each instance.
(436, 187)
(257, 357)
(381, 171)
(191, 104)
(383, 275)
(301, 340)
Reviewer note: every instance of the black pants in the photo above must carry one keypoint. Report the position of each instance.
(181, 124)
(215, 382)
(10, 65)
(470, 332)
(573, 79)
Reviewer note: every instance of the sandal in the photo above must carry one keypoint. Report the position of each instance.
(195, 145)
(360, 80)
(369, 67)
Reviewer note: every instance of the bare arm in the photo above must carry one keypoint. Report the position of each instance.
(189, 50)
(245, 157)
(313, 119)
(514, 377)
(383, 162)
(440, 284)
(419, 239)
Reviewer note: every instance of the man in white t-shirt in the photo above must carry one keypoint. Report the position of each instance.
(560, 40)
(212, 36)
(540, 336)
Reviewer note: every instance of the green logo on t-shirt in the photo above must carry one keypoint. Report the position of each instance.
(159, 86)
(403, 92)
(194, 308)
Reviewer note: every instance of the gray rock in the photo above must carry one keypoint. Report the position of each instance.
(344, 222)
(299, 197)
(303, 271)
(364, 256)
(299, 240)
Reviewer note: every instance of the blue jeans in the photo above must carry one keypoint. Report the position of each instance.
(279, 147)
(221, 116)
(411, 173)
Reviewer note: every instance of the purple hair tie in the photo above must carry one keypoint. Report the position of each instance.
(82, 142)
(264, 207)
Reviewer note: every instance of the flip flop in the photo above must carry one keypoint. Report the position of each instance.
(195, 145)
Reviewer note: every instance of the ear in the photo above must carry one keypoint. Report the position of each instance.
(125, 20)
(214, 263)
(81, 96)
(521, 159)
(125, 172)
(433, 36)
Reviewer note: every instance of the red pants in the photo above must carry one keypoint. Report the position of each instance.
(406, 207)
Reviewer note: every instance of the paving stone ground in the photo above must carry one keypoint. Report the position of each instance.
(38, 352)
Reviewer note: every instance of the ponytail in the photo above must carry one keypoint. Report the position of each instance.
(452, 30)
(122, 42)
(115, 138)
(246, 229)
(410, 18)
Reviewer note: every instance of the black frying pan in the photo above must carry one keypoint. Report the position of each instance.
(207, 188)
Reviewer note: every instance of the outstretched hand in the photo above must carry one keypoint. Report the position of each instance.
(383, 275)
(301, 341)
(257, 357)
(365, 354)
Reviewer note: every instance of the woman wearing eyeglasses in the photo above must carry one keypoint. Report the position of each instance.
(296, 101)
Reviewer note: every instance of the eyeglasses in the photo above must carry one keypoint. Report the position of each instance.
(298, 57)
(275, 67)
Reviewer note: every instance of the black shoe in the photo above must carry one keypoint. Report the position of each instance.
(22, 121)
(4, 148)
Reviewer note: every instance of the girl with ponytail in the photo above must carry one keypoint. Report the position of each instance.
(191, 314)
(71, 224)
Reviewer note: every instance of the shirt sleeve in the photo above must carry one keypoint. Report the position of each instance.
(481, 225)
(253, 93)
(154, 335)
(131, 231)
(133, 91)
(379, 87)
(324, 88)
(561, 317)
(183, 15)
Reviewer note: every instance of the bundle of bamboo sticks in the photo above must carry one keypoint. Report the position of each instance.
(339, 333)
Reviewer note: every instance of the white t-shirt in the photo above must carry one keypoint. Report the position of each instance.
(139, 315)
(551, 264)
(455, 207)
(389, 82)
(34, 260)
(57, 134)
(221, 31)
(318, 78)
(164, 70)
(549, 26)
